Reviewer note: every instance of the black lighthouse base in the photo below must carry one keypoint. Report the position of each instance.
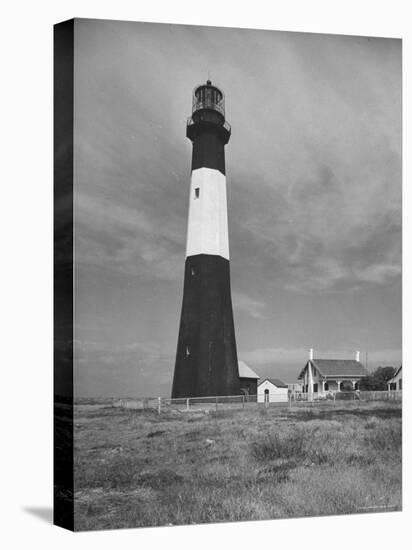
(206, 358)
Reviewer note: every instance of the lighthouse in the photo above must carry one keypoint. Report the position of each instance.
(206, 357)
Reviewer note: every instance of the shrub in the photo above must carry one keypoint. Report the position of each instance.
(377, 381)
(274, 446)
(278, 470)
(159, 479)
(345, 396)
(109, 473)
(385, 437)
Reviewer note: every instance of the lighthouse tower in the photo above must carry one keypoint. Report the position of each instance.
(206, 357)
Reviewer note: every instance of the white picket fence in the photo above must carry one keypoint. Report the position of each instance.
(215, 403)
(384, 395)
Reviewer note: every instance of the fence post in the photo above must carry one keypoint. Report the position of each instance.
(216, 402)
(187, 404)
(159, 404)
(243, 401)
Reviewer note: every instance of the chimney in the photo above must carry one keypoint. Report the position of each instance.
(358, 356)
(311, 354)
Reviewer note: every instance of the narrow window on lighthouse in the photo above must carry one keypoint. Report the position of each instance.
(192, 270)
(197, 192)
(187, 351)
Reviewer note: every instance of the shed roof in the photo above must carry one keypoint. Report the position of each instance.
(275, 381)
(245, 371)
(337, 367)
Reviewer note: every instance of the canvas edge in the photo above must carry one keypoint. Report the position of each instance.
(63, 111)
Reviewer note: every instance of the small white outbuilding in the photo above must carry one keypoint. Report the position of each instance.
(272, 390)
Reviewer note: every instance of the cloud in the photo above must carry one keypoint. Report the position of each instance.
(316, 128)
(314, 192)
(133, 369)
(124, 239)
(263, 356)
(245, 304)
(383, 357)
(379, 273)
(319, 235)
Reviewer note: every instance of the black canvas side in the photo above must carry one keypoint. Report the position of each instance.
(63, 274)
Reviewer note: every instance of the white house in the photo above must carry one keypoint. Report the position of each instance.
(272, 390)
(395, 383)
(320, 376)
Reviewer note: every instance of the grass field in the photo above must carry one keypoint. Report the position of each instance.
(135, 468)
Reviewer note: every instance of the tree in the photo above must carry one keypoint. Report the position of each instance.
(377, 381)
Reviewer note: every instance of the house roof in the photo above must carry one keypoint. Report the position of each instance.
(398, 370)
(275, 381)
(337, 367)
(245, 371)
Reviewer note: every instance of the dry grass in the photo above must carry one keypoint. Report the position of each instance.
(134, 468)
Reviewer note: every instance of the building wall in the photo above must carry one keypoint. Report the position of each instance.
(248, 384)
(275, 394)
(317, 379)
(396, 382)
(293, 388)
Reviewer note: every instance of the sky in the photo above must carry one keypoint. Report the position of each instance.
(314, 197)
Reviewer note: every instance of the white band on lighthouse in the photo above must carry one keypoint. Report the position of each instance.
(207, 229)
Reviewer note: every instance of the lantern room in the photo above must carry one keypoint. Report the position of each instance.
(208, 113)
(207, 96)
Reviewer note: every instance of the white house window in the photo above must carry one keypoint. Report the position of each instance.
(197, 192)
